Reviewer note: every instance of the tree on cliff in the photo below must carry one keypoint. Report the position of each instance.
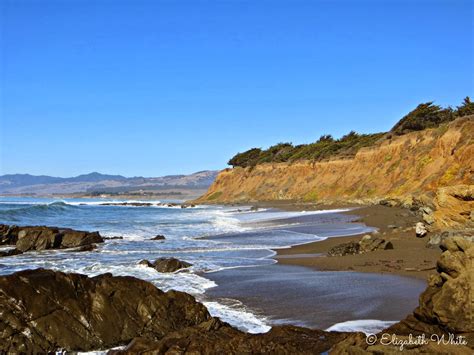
(425, 115)
(245, 159)
(467, 107)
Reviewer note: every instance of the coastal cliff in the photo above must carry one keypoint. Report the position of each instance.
(434, 165)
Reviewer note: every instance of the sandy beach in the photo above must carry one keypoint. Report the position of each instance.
(409, 256)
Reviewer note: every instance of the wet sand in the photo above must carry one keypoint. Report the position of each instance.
(409, 256)
(298, 295)
(308, 288)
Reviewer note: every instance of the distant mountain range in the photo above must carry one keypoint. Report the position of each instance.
(96, 184)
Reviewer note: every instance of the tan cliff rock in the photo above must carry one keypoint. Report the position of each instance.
(435, 165)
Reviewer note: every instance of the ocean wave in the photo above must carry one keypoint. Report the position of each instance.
(238, 316)
(52, 208)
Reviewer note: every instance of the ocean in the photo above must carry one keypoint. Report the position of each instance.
(211, 238)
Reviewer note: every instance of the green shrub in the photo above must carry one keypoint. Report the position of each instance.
(426, 115)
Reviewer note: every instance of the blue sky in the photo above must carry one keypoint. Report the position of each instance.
(161, 87)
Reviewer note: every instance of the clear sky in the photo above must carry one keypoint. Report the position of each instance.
(161, 87)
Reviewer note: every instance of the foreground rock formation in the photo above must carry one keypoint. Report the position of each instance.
(43, 311)
(43, 238)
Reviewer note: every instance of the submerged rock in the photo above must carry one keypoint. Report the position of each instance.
(166, 264)
(158, 237)
(46, 311)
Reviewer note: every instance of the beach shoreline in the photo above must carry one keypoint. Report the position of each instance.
(409, 256)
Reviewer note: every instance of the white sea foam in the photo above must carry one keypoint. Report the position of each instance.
(367, 326)
(238, 316)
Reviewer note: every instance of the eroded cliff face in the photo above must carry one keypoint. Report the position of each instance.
(418, 164)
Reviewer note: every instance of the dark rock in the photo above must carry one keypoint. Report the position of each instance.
(46, 311)
(217, 337)
(38, 238)
(8, 234)
(350, 248)
(112, 238)
(43, 238)
(369, 243)
(158, 237)
(166, 264)
(10, 252)
(73, 239)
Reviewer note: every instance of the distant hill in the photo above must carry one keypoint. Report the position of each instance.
(95, 183)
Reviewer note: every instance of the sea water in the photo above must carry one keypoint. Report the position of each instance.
(211, 238)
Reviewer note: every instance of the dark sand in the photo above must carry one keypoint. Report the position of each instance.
(317, 299)
(410, 257)
(329, 290)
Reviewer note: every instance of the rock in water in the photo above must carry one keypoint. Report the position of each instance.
(45, 311)
(42, 238)
(420, 230)
(166, 264)
(158, 237)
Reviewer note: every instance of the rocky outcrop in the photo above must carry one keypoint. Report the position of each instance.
(45, 311)
(43, 238)
(166, 264)
(446, 305)
(367, 244)
(216, 337)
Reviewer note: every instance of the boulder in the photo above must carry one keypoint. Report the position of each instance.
(73, 239)
(43, 238)
(46, 311)
(349, 248)
(437, 239)
(420, 230)
(369, 243)
(166, 264)
(38, 238)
